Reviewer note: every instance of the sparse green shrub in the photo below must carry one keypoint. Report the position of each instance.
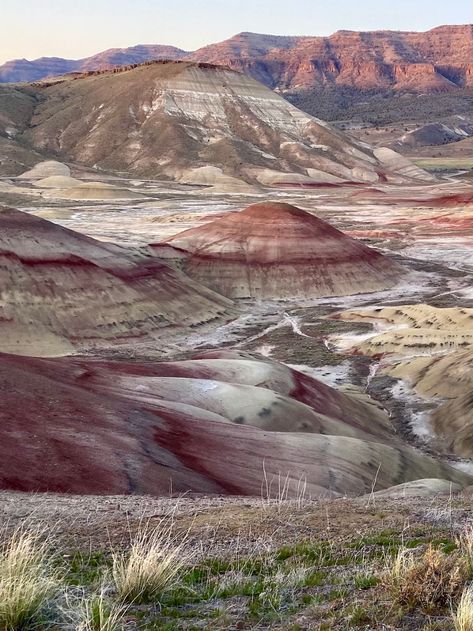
(365, 580)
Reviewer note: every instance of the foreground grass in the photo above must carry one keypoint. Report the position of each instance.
(28, 579)
(356, 584)
(387, 578)
(430, 582)
(463, 615)
(149, 568)
(94, 612)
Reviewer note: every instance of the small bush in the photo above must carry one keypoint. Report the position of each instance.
(151, 566)
(430, 582)
(27, 579)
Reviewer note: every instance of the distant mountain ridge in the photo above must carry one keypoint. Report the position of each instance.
(433, 61)
(22, 70)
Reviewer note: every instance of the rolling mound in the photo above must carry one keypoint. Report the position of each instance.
(412, 330)
(415, 316)
(449, 377)
(61, 290)
(420, 488)
(48, 168)
(335, 412)
(445, 376)
(413, 342)
(76, 426)
(431, 350)
(453, 423)
(57, 181)
(94, 190)
(168, 119)
(436, 133)
(275, 250)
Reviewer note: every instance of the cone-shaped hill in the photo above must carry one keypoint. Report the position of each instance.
(61, 290)
(275, 250)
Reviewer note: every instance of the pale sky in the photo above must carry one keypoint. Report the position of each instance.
(79, 28)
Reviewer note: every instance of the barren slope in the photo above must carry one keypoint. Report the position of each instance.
(60, 289)
(171, 119)
(74, 426)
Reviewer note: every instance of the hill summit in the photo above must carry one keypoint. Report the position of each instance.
(276, 250)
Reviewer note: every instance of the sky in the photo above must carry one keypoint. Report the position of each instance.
(78, 28)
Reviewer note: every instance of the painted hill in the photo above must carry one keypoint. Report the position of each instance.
(80, 426)
(60, 290)
(275, 250)
(174, 119)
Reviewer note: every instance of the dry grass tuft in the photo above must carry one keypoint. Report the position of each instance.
(463, 615)
(465, 544)
(97, 614)
(83, 611)
(430, 582)
(151, 566)
(27, 578)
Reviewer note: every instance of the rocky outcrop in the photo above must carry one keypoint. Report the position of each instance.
(275, 250)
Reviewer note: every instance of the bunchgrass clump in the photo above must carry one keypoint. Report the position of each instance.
(464, 543)
(96, 613)
(28, 579)
(463, 614)
(365, 580)
(151, 566)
